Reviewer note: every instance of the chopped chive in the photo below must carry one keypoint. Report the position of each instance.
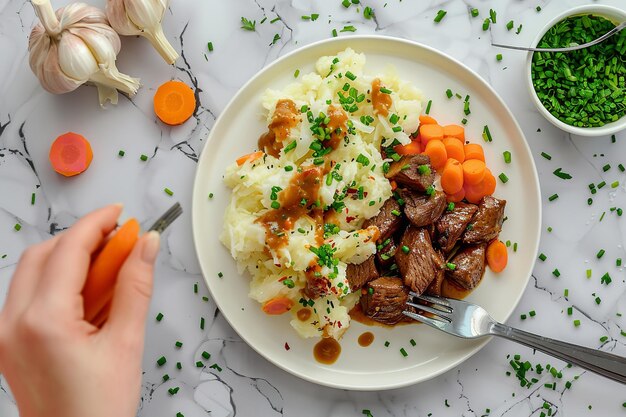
(178, 344)
(350, 76)
(588, 273)
(201, 323)
(289, 168)
(487, 134)
(334, 33)
(395, 212)
(615, 184)
(121, 153)
(173, 391)
(492, 15)
(179, 365)
(385, 90)
(601, 184)
(522, 316)
(542, 257)
(368, 12)
(159, 317)
(546, 155)
(413, 343)
(219, 274)
(600, 254)
(538, 8)
(553, 197)
(519, 29)
(440, 15)
(427, 111)
(562, 175)
(210, 195)
(509, 25)
(403, 352)
(449, 93)
(570, 311)
(606, 279)
(143, 157)
(474, 12)
(606, 167)
(199, 364)
(604, 339)
(486, 24)
(451, 266)
(507, 157)
(621, 167)
(576, 323)
(206, 355)
(161, 361)
(348, 28)
(503, 178)
(556, 273)
(618, 262)
(166, 377)
(32, 199)
(168, 191)
(532, 313)
(566, 292)
(499, 57)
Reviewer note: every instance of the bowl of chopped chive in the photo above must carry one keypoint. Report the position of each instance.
(581, 92)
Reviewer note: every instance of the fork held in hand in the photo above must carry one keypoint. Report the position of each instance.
(466, 320)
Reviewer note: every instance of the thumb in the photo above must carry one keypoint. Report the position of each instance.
(131, 298)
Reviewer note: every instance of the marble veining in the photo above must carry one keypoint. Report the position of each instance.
(236, 381)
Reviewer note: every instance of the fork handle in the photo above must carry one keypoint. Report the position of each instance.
(602, 363)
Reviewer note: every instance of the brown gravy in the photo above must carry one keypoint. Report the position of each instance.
(337, 125)
(358, 315)
(451, 290)
(380, 101)
(366, 339)
(285, 117)
(304, 314)
(277, 222)
(327, 351)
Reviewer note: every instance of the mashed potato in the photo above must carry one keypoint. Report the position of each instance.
(323, 142)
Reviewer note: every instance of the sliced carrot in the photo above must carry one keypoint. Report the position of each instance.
(454, 131)
(454, 148)
(452, 177)
(174, 102)
(70, 154)
(412, 148)
(497, 256)
(455, 198)
(394, 185)
(249, 157)
(473, 193)
(437, 153)
(488, 183)
(473, 171)
(277, 305)
(102, 275)
(474, 151)
(431, 132)
(427, 120)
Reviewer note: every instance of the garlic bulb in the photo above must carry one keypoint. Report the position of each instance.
(142, 17)
(76, 45)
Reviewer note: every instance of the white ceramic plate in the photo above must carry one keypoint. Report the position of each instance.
(376, 367)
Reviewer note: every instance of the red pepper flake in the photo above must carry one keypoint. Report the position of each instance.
(349, 219)
(352, 190)
(287, 346)
(339, 324)
(282, 279)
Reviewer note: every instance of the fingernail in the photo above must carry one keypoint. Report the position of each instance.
(150, 247)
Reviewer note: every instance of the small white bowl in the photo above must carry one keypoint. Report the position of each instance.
(612, 13)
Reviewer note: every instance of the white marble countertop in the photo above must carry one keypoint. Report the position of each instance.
(243, 383)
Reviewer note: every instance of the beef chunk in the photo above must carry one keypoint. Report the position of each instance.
(385, 252)
(435, 286)
(451, 225)
(469, 266)
(385, 300)
(385, 220)
(406, 171)
(420, 266)
(486, 223)
(360, 274)
(422, 209)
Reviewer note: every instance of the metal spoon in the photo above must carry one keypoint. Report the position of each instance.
(607, 35)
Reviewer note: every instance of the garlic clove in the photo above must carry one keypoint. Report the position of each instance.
(116, 13)
(52, 77)
(145, 14)
(75, 58)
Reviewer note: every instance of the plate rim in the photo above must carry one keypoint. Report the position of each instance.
(196, 205)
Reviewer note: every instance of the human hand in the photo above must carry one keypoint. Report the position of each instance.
(55, 362)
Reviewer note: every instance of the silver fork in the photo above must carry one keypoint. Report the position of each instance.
(167, 218)
(469, 321)
(602, 38)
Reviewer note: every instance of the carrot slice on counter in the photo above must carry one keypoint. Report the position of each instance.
(431, 132)
(102, 274)
(70, 154)
(454, 131)
(249, 157)
(455, 198)
(497, 256)
(473, 171)
(277, 305)
(174, 102)
(412, 148)
(427, 120)
(436, 150)
(454, 148)
(452, 177)
(474, 151)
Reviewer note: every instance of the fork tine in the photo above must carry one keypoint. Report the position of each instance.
(431, 310)
(434, 300)
(167, 218)
(427, 320)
